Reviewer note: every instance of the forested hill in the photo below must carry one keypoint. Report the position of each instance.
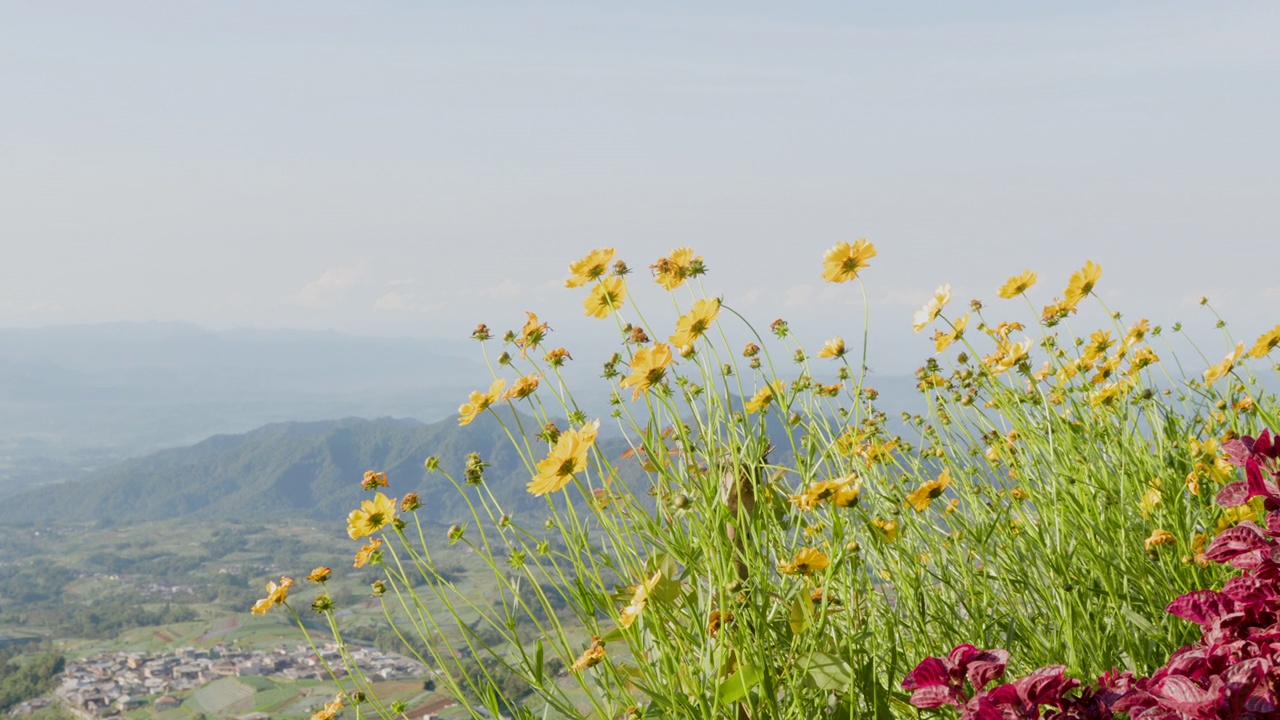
(283, 470)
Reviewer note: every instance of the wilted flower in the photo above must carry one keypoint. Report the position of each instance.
(369, 553)
(1158, 537)
(478, 402)
(1224, 367)
(843, 262)
(320, 574)
(590, 657)
(671, 271)
(329, 711)
(943, 340)
(522, 388)
(531, 334)
(373, 479)
(639, 599)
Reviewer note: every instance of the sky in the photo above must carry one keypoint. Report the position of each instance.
(413, 168)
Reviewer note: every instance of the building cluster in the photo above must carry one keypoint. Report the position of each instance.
(114, 683)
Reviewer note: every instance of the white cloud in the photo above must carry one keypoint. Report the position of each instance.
(326, 290)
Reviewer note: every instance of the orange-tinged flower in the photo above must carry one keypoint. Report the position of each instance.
(943, 340)
(522, 388)
(1267, 342)
(832, 348)
(368, 552)
(1224, 367)
(1099, 342)
(329, 711)
(920, 498)
(764, 396)
(841, 492)
(1158, 537)
(671, 271)
(1141, 358)
(648, 368)
(372, 516)
(478, 402)
(320, 574)
(606, 297)
(639, 599)
(929, 312)
(843, 262)
(589, 268)
(693, 324)
(590, 657)
(1007, 355)
(531, 334)
(806, 562)
(373, 479)
(276, 595)
(887, 528)
(1017, 285)
(1081, 282)
(566, 459)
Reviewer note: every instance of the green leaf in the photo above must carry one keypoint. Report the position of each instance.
(801, 614)
(828, 671)
(1140, 622)
(736, 686)
(537, 663)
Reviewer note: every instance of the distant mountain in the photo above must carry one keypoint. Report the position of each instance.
(285, 470)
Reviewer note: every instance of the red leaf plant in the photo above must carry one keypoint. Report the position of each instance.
(1233, 671)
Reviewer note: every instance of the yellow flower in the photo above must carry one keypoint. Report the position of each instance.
(887, 528)
(589, 268)
(672, 270)
(330, 711)
(1141, 358)
(648, 367)
(943, 340)
(1081, 283)
(1224, 367)
(764, 396)
(639, 599)
(366, 553)
(842, 262)
(320, 574)
(1158, 537)
(920, 498)
(478, 402)
(276, 595)
(1266, 342)
(531, 334)
(590, 657)
(693, 324)
(832, 348)
(1107, 394)
(371, 517)
(522, 388)
(1151, 498)
(929, 312)
(1137, 332)
(1017, 284)
(1007, 355)
(806, 562)
(842, 492)
(1099, 342)
(606, 297)
(566, 459)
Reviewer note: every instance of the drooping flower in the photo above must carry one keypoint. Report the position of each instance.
(330, 710)
(1017, 285)
(639, 599)
(943, 340)
(833, 348)
(1081, 283)
(920, 498)
(589, 268)
(693, 324)
(929, 312)
(843, 262)
(369, 552)
(648, 368)
(531, 334)
(592, 656)
(478, 402)
(371, 516)
(373, 479)
(1158, 537)
(806, 562)
(276, 595)
(671, 271)
(566, 459)
(1267, 342)
(1228, 363)
(522, 388)
(606, 297)
(764, 396)
(319, 574)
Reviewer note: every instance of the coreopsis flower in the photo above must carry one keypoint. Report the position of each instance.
(1151, 498)
(556, 357)
(1107, 394)
(522, 388)
(1099, 342)
(1142, 357)
(888, 529)
(693, 324)
(589, 268)
(843, 262)
(1158, 537)
(841, 492)
(920, 498)
(478, 402)
(369, 552)
(648, 368)
(1267, 342)
(590, 657)
(1053, 313)
(1081, 283)
(929, 312)
(566, 459)
(943, 340)
(671, 271)
(320, 574)
(1224, 367)
(764, 396)
(1007, 355)
(329, 711)
(639, 599)
(1136, 333)
(806, 562)
(833, 348)
(751, 349)
(1017, 285)
(276, 595)
(531, 334)
(371, 516)
(606, 297)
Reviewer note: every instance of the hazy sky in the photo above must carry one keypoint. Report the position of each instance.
(414, 168)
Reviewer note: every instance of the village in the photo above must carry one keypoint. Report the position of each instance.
(113, 683)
